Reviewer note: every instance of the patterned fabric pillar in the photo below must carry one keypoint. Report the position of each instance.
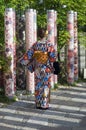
(55, 35)
(51, 33)
(35, 26)
(10, 52)
(75, 48)
(29, 42)
(70, 48)
(21, 77)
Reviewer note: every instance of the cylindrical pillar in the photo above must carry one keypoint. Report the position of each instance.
(30, 29)
(35, 25)
(51, 33)
(50, 26)
(75, 48)
(70, 47)
(55, 41)
(21, 77)
(10, 52)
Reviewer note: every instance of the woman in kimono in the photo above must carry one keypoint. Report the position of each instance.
(39, 59)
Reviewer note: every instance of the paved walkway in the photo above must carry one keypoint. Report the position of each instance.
(67, 112)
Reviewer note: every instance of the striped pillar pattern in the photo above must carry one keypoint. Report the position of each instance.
(51, 18)
(70, 47)
(10, 52)
(75, 48)
(30, 39)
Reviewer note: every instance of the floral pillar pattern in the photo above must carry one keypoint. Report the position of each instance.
(10, 52)
(21, 77)
(70, 48)
(75, 48)
(35, 26)
(51, 33)
(30, 30)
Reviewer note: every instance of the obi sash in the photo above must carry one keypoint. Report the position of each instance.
(41, 57)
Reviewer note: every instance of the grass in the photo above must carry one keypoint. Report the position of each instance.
(56, 86)
(81, 80)
(65, 84)
(4, 99)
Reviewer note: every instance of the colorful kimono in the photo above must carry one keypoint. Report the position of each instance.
(39, 59)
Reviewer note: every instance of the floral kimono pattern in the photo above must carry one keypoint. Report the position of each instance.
(39, 59)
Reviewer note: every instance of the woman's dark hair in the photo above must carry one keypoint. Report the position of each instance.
(41, 32)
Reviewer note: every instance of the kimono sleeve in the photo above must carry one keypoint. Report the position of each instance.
(51, 57)
(24, 59)
(51, 53)
(28, 60)
(27, 57)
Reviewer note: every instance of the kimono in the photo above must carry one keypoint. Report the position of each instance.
(39, 59)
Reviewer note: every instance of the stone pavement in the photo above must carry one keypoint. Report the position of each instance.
(67, 111)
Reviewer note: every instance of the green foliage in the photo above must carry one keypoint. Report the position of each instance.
(82, 38)
(63, 36)
(41, 20)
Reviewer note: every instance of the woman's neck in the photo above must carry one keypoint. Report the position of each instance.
(43, 39)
